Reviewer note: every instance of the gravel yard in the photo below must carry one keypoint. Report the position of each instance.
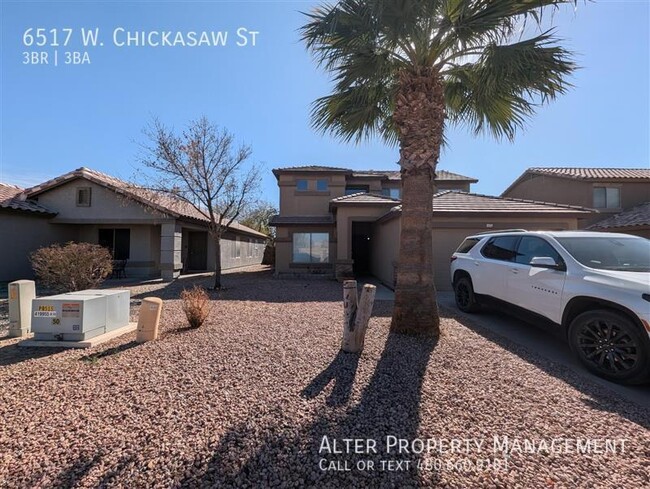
(246, 401)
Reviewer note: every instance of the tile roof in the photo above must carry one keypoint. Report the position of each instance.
(617, 174)
(162, 202)
(364, 198)
(11, 198)
(315, 220)
(595, 173)
(636, 216)
(455, 201)
(389, 174)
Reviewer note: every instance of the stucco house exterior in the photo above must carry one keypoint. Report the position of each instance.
(159, 236)
(611, 191)
(337, 222)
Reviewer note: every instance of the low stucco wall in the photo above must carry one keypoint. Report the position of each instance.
(21, 233)
(251, 251)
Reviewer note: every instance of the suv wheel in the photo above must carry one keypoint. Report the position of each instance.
(464, 295)
(611, 346)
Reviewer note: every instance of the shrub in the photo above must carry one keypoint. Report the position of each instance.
(72, 266)
(196, 305)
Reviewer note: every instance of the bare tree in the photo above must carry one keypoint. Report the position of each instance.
(258, 217)
(202, 167)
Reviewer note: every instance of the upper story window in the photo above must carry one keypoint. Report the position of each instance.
(607, 197)
(322, 185)
(302, 185)
(355, 189)
(393, 193)
(83, 196)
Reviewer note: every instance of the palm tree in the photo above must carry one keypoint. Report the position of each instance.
(403, 70)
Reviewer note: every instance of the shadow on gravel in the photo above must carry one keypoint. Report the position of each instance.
(598, 396)
(341, 371)
(109, 352)
(12, 354)
(274, 449)
(73, 475)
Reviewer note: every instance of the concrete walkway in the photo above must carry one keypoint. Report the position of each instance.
(537, 340)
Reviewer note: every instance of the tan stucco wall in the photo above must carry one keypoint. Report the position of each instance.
(448, 233)
(22, 233)
(577, 192)
(345, 216)
(310, 203)
(105, 205)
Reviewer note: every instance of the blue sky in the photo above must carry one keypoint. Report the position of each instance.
(55, 119)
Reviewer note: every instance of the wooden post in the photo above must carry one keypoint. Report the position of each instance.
(356, 316)
(349, 313)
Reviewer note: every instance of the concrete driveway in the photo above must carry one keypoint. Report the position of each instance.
(538, 340)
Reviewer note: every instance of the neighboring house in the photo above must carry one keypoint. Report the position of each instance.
(342, 223)
(608, 190)
(633, 221)
(158, 235)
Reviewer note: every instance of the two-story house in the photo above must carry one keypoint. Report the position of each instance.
(341, 223)
(620, 195)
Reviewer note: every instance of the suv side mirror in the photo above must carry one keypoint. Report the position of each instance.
(545, 262)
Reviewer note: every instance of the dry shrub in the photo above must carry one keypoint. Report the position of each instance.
(196, 305)
(72, 266)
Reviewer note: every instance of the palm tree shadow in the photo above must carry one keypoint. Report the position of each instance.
(293, 455)
(342, 371)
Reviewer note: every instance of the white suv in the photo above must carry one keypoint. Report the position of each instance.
(596, 286)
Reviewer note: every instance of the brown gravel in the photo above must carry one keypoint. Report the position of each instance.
(246, 400)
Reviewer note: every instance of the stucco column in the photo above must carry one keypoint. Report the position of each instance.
(170, 250)
(343, 266)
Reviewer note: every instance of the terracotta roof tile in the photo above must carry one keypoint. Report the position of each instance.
(594, 173)
(389, 174)
(364, 198)
(636, 216)
(11, 197)
(162, 202)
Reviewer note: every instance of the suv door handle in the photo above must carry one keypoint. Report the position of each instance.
(514, 270)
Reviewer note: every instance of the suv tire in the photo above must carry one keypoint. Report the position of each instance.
(464, 295)
(610, 345)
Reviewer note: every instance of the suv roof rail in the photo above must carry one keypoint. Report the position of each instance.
(504, 231)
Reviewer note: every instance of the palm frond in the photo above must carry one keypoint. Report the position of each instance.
(506, 84)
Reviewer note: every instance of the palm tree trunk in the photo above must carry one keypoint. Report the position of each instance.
(419, 118)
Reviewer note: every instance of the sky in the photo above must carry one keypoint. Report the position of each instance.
(58, 118)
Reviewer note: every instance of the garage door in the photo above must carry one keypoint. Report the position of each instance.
(445, 242)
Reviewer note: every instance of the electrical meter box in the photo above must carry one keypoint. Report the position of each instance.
(79, 316)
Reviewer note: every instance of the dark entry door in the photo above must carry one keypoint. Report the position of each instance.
(197, 250)
(361, 233)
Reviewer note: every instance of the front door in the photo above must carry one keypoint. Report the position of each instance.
(197, 250)
(361, 235)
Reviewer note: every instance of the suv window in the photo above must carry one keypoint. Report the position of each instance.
(467, 245)
(531, 246)
(501, 248)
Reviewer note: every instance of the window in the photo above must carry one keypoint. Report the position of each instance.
(356, 189)
(238, 247)
(530, 247)
(501, 248)
(250, 247)
(311, 247)
(467, 245)
(607, 197)
(393, 193)
(302, 185)
(118, 241)
(322, 185)
(83, 196)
